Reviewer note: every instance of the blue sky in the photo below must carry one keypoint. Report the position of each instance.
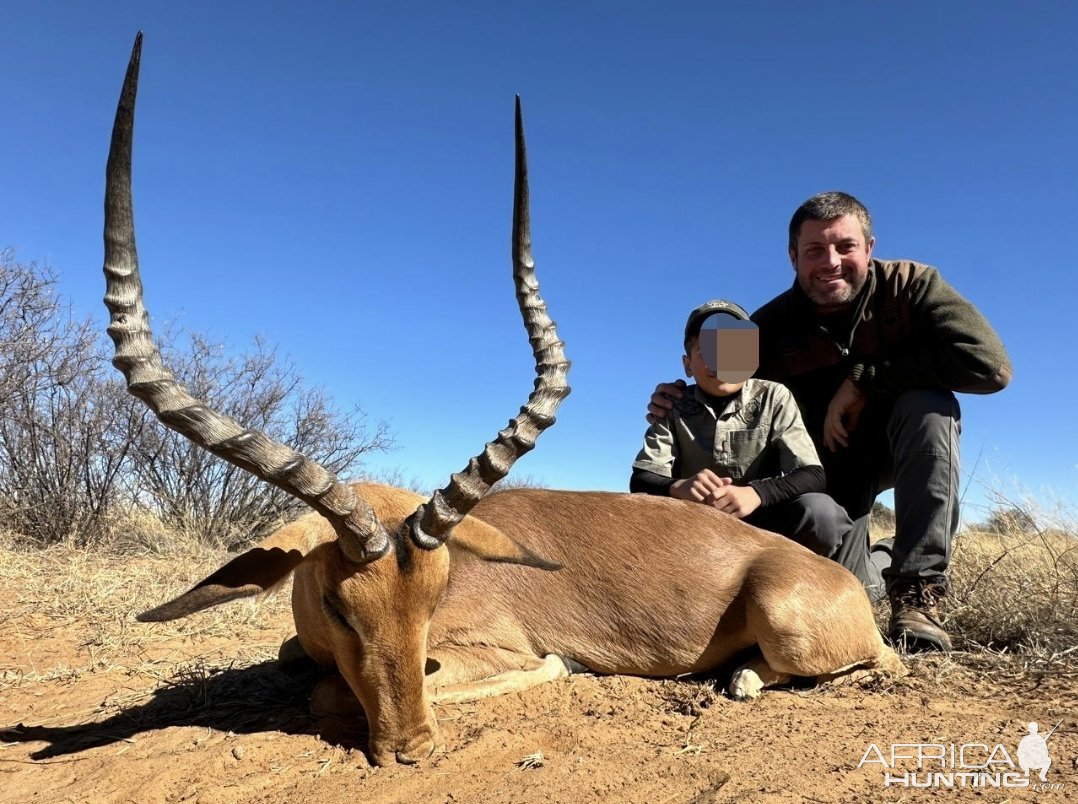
(338, 178)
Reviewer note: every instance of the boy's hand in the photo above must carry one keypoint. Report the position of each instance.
(842, 415)
(740, 501)
(662, 401)
(719, 492)
(701, 487)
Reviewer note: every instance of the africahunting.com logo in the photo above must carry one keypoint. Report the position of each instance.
(974, 765)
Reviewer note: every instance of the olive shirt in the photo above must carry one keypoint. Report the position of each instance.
(757, 437)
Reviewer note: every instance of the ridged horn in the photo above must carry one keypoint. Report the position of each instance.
(362, 536)
(432, 522)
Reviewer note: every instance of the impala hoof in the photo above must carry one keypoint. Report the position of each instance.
(422, 747)
(745, 685)
(411, 758)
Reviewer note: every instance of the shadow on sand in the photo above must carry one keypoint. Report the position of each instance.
(249, 700)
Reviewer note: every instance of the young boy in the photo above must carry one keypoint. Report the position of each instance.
(739, 445)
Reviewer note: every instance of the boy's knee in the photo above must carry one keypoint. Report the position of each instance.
(823, 509)
(825, 523)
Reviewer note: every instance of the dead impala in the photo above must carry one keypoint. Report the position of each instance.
(464, 595)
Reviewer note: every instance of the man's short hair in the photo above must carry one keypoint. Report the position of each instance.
(826, 207)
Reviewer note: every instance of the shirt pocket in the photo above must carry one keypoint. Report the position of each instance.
(741, 449)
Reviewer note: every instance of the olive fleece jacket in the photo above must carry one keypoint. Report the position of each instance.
(908, 329)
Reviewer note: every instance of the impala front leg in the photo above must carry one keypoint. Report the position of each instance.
(460, 674)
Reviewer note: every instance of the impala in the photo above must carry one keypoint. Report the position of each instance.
(409, 601)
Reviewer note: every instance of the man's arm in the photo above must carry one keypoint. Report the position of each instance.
(952, 346)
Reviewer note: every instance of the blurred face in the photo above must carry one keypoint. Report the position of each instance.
(831, 261)
(723, 355)
(697, 368)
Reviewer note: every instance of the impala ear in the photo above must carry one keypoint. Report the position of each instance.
(258, 570)
(488, 543)
(251, 573)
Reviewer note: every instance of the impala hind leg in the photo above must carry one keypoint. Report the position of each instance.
(468, 674)
(810, 616)
(886, 665)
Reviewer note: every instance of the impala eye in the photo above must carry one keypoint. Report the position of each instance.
(331, 606)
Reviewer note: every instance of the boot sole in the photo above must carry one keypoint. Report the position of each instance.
(909, 641)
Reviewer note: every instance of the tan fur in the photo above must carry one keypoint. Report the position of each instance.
(649, 586)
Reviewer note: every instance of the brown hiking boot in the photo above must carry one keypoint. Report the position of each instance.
(915, 619)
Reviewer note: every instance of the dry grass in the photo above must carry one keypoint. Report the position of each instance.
(1016, 592)
(536, 760)
(84, 601)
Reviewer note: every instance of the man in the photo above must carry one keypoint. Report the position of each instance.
(873, 351)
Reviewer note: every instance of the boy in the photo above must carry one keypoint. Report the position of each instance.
(738, 444)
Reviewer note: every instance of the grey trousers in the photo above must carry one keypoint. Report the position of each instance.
(823, 526)
(909, 444)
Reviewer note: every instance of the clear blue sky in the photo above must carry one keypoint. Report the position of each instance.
(338, 177)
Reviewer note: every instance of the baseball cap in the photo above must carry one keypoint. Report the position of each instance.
(698, 316)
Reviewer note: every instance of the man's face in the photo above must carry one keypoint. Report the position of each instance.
(831, 261)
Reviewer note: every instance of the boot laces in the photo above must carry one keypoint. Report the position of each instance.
(921, 594)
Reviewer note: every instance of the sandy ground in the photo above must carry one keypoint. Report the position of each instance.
(95, 707)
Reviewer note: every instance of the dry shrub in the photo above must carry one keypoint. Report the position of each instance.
(196, 492)
(1015, 591)
(77, 451)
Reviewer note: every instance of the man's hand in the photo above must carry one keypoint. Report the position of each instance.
(719, 492)
(662, 401)
(842, 415)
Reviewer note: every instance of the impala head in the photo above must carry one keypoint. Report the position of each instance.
(373, 566)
